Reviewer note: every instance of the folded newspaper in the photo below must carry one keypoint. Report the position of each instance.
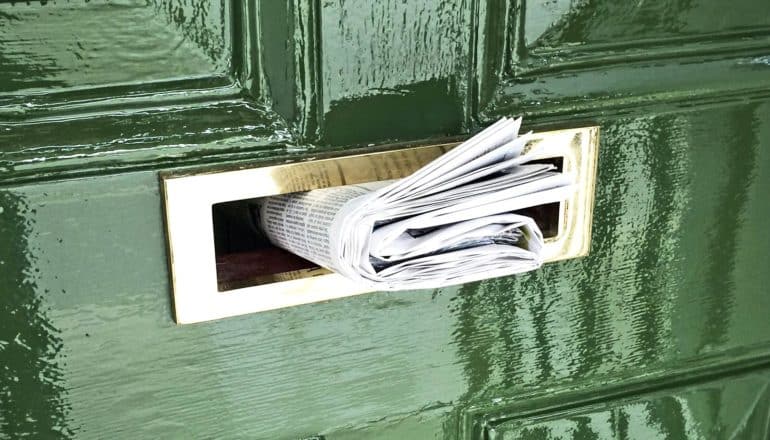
(453, 221)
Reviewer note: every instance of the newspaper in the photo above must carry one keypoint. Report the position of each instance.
(453, 221)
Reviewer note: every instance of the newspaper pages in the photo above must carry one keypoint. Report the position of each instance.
(451, 222)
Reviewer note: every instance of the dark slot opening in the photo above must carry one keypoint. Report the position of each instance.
(245, 257)
(546, 217)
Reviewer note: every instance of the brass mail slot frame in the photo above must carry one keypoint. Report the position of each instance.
(188, 199)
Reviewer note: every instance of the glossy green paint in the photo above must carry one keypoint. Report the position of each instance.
(734, 407)
(662, 332)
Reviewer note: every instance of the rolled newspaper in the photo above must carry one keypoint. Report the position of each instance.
(453, 221)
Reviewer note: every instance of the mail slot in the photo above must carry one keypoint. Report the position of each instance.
(221, 265)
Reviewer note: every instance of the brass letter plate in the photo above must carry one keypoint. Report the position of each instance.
(201, 291)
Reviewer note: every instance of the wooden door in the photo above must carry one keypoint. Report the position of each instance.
(662, 332)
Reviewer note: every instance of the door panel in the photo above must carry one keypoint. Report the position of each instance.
(91, 86)
(734, 407)
(577, 58)
(392, 62)
(57, 45)
(662, 331)
(586, 23)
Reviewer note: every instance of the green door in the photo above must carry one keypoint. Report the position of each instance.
(663, 331)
